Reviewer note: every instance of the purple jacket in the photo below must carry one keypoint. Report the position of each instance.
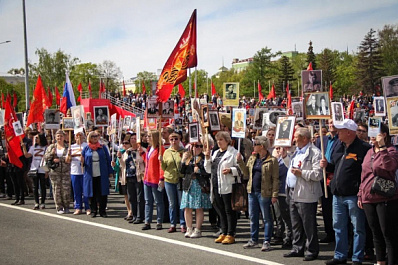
(385, 163)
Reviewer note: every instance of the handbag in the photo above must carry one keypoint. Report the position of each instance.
(43, 165)
(382, 186)
(239, 199)
(32, 173)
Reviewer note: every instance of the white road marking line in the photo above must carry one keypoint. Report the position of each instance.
(167, 240)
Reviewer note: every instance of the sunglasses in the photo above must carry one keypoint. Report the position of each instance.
(198, 145)
(94, 136)
(257, 144)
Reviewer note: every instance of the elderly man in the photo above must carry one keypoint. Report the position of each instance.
(347, 168)
(303, 191)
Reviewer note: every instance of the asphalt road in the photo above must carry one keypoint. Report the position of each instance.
(44, 237)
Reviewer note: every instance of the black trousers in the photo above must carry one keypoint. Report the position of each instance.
(39, 180)
(135, 193)
(222, 205)
(17, 179)
(327, 212)
(383, 218)
(98, 198)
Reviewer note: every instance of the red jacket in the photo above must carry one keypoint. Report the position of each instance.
(153, 170)
(385, 163)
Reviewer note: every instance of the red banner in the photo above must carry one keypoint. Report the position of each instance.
(183, 57)
(39, 104)
(260, 95)
(13, 143)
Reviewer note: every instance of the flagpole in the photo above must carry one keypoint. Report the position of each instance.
(196, 85)
(190, 82)
(207, 86)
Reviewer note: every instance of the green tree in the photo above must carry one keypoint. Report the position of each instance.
(146, 78)
(285, 76)
(84, 73)
(369, 68)
(311, 56)
(328, 67)
(388, 40)
(345, 82)
(110, 74)
(15, 71)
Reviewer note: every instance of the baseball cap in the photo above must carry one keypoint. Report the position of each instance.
(347, 124)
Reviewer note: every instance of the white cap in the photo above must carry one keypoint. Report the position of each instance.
(347, 124)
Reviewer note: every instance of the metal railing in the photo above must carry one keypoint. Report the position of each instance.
(119, 103)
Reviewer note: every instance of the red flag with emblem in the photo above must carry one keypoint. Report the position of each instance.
(260, 95)
(13, 142)
(184, 56)
(181, 90)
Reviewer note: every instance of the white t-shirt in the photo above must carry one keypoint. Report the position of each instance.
(75, 167)
(37, 153)
(96, 165)
(60, 152)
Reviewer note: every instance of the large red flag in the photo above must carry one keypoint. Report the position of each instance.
(143, 88)
(8, 98)
(13, 143)
(181, 90)
(124, 89)
(183, 57)
(289, 98)
(102, 89)
(50, 97)
(213, 89)
(260, 95)
(89, 89)
(330, 91)
(272, 93)
(57, 97)
(39, 104)
(15, 102)
(80, 89)
(309, 67)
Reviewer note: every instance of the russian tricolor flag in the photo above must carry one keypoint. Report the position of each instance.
(68, 97)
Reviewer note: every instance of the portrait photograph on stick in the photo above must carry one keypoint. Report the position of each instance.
(126, 122)
(390, 86)
(284, 130)
(238, 123)
(101, 115)
(153, 108)
(193, 129)
(311, 80)
(379, 106)
(258, 118)
(359, 115)
(231, 94)
(297, 108)
(204, 111)
(168, 109)
(392, 109)
(52, 119)
(337, 112)
(374, 125)
(214, 120)
(68, 124)
(317, 105)
(78, 117)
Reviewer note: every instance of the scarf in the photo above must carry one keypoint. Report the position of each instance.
(94, 147)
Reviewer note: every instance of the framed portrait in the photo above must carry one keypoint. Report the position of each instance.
(374, 125)
(89, 124)
(284, 130)
(231, 94)
(78, 117)
(225, 119)
(296, 99)
(337, 112)
(88, 116)
(298, 111)
(20, 117)
(52, 119)
(17, 128)
(204, 112)
(317, 105)
(258, 118)
(392, 109)
(152, 124)
(113, 126)
(153, 108)
(379, 106)
(214, 120)
(270, 118)
(126, 122)
(168, 109)
(390, 86)
(311, 81)
(359, 115)
(238, 123)
(120, 128)
(101, 116)
(193, 129)
(138, 129)
(68, 124)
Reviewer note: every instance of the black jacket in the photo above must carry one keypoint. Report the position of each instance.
(188, 170)
(347, 167)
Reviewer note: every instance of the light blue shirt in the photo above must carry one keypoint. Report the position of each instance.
(295, 162)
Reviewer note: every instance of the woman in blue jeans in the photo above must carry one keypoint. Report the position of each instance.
(262, 189)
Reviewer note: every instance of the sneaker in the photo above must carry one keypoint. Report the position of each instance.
(42, 206)
(159, 227)
(218, 233)
(66, 210)
(36, 207)
(183, 229)
(220, 238)
(228, 240)
(60, 211)
(77, 212)
(266, 246)
(188, 233)
(172, 229)
(251, 244)
(196, 234)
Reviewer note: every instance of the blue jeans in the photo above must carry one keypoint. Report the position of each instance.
(77, 184)
(257, 203)
(174, 196)
(345, 207)
(151, 193)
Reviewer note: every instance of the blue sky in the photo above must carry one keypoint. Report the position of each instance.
(140, 35)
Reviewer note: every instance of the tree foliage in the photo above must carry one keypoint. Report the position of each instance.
(327, 59)
(110, 74)
(144, 78)
(285, 76)
(388, 40)
(311, 56)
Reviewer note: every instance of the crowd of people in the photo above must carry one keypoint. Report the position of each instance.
(182, 177)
